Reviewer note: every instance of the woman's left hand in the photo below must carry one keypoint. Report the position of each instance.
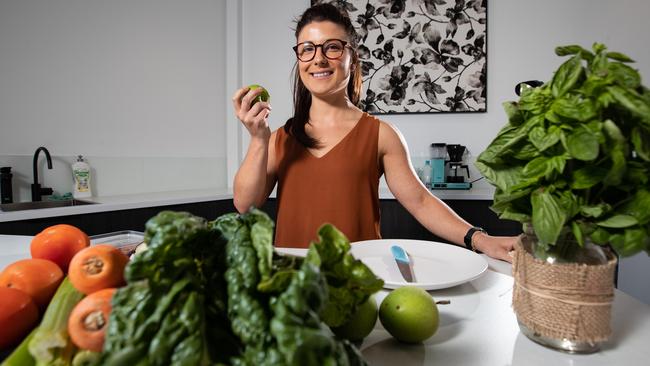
(499, 247)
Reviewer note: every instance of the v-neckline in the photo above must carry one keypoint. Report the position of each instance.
(356, 125)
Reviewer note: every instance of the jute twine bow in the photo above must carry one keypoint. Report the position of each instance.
(563, 301)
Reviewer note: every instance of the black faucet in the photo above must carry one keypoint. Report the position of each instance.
(37, 191)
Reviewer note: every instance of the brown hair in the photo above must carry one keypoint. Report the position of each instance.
(295, 126)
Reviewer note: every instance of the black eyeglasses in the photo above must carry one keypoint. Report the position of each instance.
(332, 49)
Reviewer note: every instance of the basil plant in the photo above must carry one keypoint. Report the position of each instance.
(574, 158)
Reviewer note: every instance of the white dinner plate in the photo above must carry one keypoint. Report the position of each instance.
(435, 265)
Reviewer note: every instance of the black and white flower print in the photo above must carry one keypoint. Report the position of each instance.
(421, 56)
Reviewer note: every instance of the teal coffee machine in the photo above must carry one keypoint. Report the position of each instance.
(447, 168)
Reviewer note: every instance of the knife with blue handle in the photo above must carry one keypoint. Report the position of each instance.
(403, 263)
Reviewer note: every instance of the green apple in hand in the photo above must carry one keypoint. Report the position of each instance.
(409, 314)
(361, 323)
(262, 97)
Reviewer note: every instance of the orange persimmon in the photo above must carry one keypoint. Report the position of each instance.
(59, 243)
(18, 315)
(97, 267)
(38, 278)
(89, 319)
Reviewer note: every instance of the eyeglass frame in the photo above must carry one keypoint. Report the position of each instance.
(345, 44)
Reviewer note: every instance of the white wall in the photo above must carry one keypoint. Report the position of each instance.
(137, 86)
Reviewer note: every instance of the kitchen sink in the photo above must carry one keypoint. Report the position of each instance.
(20, 206)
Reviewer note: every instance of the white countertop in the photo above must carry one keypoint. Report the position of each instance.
(478, 327)
(122, 202)
(481, 191)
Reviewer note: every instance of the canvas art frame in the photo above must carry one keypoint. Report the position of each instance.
(421, 56)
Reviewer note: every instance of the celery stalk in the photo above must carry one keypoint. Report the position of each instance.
(51, 344)
(21, 356)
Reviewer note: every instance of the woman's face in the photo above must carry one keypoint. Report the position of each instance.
(322, 76)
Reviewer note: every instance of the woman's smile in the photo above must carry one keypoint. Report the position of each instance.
(322, 74)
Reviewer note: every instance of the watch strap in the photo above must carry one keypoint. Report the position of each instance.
(468, 237)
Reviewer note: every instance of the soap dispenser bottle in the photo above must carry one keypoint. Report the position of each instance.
(81, 178)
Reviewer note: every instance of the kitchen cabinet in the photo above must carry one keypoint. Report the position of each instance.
(396, 222)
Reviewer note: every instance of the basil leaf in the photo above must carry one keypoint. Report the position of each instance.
(548, 217)
(616, 171)
(504, 177)
(572, 50)
(568, 50)
(618, 221)
(613, 132)
(536, 168)
(574, 107)
(638, 206)
(595, 211)
(641, 142)
(582, 144)
(632, 101)
(587, 177)
(543, 139)
(493, 154)
(624, 75)
(619, 57)
(577, 232)
(525, 151)
(535, 100)
(509, 214)
(600, 236)
(566, 76)
(634, 241)
(515, 117)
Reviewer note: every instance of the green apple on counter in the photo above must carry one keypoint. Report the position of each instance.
(409, 314)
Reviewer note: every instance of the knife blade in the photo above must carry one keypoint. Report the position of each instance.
(403, 263)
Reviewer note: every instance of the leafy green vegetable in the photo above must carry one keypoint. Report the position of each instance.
(278, 317)
(350, 282)
(173, 309)
(301, 337)
(246, 307)
(574, 157)
(216, 292)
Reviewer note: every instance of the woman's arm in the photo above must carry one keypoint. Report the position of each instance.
(430, 211)
(256, 176)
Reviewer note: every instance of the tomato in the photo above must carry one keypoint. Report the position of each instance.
(97, 267)
(59, 243)
(38, 278)
(18, 315)
(89, 319)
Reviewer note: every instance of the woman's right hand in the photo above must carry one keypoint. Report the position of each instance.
(254, 118)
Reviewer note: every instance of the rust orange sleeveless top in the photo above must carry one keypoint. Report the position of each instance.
(340, 188)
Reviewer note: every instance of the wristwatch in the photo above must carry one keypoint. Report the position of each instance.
(468, 237)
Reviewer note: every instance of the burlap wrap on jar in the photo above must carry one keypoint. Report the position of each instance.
(563, 301)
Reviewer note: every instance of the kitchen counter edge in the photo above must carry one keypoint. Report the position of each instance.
(142, 200)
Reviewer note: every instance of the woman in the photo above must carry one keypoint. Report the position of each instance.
(329, 157)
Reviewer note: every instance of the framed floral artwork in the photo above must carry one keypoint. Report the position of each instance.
(421, 56)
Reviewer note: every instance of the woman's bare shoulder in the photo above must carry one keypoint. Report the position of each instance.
(388, 133)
